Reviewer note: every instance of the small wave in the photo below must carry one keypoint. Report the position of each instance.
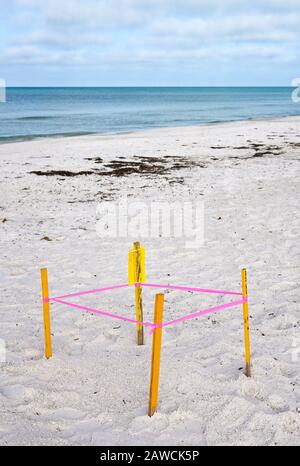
(31, 137)
(42, 117)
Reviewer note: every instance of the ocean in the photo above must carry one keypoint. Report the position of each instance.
(64, 111)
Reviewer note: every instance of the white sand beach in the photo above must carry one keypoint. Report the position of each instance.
(94, 390)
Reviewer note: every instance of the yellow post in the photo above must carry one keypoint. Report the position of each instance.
(156, 346)
(246, 323)
(138, 296)
(46, 309)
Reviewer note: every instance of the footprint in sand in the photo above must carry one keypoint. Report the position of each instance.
(18, 394)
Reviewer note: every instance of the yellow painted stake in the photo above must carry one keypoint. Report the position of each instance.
(46, 310)
(246, 323)
(156, 346)
(138, 297)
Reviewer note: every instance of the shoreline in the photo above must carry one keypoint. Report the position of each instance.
(65, 136)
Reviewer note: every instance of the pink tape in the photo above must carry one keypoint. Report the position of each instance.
(103, 313)
(199, 313)
(150, 324)
(154, 285)
(187, 288)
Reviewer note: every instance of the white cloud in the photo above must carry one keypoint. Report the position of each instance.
(27, 55)
(60, 40)
(99, 32)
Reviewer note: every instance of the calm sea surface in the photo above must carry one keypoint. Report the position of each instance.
(36, 112)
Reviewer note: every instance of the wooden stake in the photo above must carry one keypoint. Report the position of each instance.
(138, 297)
(246, 323)
(46, 311)
(156, 347)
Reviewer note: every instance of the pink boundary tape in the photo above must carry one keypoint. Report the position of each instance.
(153, 285)
(103, 313)
(150, 324)
(199, 313)
(188, 288)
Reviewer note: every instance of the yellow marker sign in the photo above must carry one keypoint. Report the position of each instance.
(136, 274)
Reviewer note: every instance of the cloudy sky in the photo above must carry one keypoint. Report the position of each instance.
(149, 42)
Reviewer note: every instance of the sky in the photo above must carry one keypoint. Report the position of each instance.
(149, 42)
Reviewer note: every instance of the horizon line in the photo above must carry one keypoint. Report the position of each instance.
(145, 86)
